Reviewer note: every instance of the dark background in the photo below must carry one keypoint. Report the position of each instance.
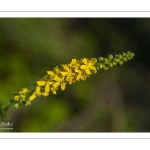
(117, 100)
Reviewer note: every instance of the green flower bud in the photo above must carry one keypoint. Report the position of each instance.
(111, 65)
(114, 63)
(115, 60)
(101, 66)
(105, 59)
(110, 57)
(120, 62)
(17, 105)
(101, 59)
(124, 54)
(124, 59)
(105, 68)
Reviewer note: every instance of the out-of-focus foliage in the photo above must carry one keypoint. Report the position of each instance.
(113, 100)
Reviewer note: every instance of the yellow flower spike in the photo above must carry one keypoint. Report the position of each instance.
(41, 83)
(68, 73)
(32, 97)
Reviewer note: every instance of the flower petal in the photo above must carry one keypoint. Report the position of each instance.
(56, 78)
(28, 103)
(45, 94)
(63, 86)
(50, 73)
(37, 90)
(87, 70)
(55, 85)
(32, 97)
(47, 88)
(64, 73)
(83, 67)
(53, 90)
(41, 83)
(85, 60)
(93, 68)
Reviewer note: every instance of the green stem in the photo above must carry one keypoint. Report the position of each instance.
(9, 106)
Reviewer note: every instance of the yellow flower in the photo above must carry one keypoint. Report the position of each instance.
(59, 82)
(22, 97)
(24, 90)
(74, 63)
(17, 98)
(56, 69)
(69, 73)
(88, 65)
(77, 70)
(66, 71)
(81, 76)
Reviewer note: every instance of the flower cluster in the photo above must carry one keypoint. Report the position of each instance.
(59, 77)
(68, 73)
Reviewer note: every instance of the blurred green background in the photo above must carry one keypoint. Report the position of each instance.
(117, 100)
